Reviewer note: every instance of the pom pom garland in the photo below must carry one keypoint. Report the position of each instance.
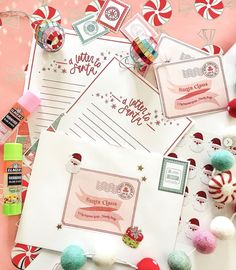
(179, 260)
(232, 108)
(104, 256)
(204, 241)
(222, 160)
(73, 258)
(148, 264)
(222, 227)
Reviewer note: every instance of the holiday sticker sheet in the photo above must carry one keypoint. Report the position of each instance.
(61, 77)
(197, 86)
(110, 209)
(198, 208)
(118, 108)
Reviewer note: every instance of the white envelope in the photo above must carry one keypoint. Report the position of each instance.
(115, 189)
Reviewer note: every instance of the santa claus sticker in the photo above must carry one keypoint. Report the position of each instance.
(186, 196)
(214, 145)
(192, 225)
(206, 173)
(192, 168)
(197, 142)
(200, 202)
(73, 165)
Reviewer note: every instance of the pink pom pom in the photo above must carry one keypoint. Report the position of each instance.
(204, 241)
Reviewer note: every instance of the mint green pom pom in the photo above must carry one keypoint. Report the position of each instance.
(222, 160)
(178, 260)
(73, 258)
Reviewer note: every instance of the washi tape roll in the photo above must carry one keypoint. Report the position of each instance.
(157, 12)
(222, 187)
(22, 255)
(209, 9)
(94, 7)
(45, 13)
(213, 49)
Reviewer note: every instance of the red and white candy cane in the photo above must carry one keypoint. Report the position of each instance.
(45, 13)
(157, 12)
(94, 7)
(213, 49)
(222, 187)
(22, 255)
(209, 9)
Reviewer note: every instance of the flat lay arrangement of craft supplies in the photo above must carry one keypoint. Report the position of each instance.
(117, 134)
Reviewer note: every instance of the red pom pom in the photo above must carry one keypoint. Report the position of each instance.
(232, 108)
(148, 264)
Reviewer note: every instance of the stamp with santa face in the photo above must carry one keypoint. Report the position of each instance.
(88, 29)
(101, 201)
(73, 165)
(137, 27)
(197, 142)
(200, 201)
(113, 14)
(206, 174)
(192, 225)
(173, 175)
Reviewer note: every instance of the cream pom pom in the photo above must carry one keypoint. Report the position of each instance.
(222, 227)
(104, 256)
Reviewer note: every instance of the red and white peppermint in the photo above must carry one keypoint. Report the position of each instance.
(209, 9)
(45, 13)
(94, 7)
(22, 255)
(213, 49)
(222, 187)
(157, 12)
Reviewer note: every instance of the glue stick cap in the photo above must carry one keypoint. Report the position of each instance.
(12, 151)
(29, 101)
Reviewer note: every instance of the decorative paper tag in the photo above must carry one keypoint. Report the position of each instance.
(88, 29)
(113, 14)
(101, 201)
(137, 27)
(173, 176)
(192, 87)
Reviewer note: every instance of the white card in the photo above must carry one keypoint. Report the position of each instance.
(112, 191)
(59, 78)
(119, 108)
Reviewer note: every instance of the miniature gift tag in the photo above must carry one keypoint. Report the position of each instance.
(192, 87)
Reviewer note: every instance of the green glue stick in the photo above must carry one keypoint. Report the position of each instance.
(12, 182)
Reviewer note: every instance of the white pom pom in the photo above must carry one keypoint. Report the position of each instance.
(104, 256)
(222, 227)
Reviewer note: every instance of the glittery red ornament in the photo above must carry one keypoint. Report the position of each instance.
(148, 264)
(232, 108)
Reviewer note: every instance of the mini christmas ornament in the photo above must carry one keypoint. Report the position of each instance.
(157, 12)
(209, 9)
(222, 160)
(222, 188)
(148, 264)
(179, 260)
(22, 255)
(204, 241)
(232, 108)
(143, 52)
(73, 258)
(222, 227)
(49, 35)
(132, 237)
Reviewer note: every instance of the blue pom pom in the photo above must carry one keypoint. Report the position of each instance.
(222, 160)
(73, 258)
(178, 260)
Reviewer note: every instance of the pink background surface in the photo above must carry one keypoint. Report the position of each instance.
(15, 39)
